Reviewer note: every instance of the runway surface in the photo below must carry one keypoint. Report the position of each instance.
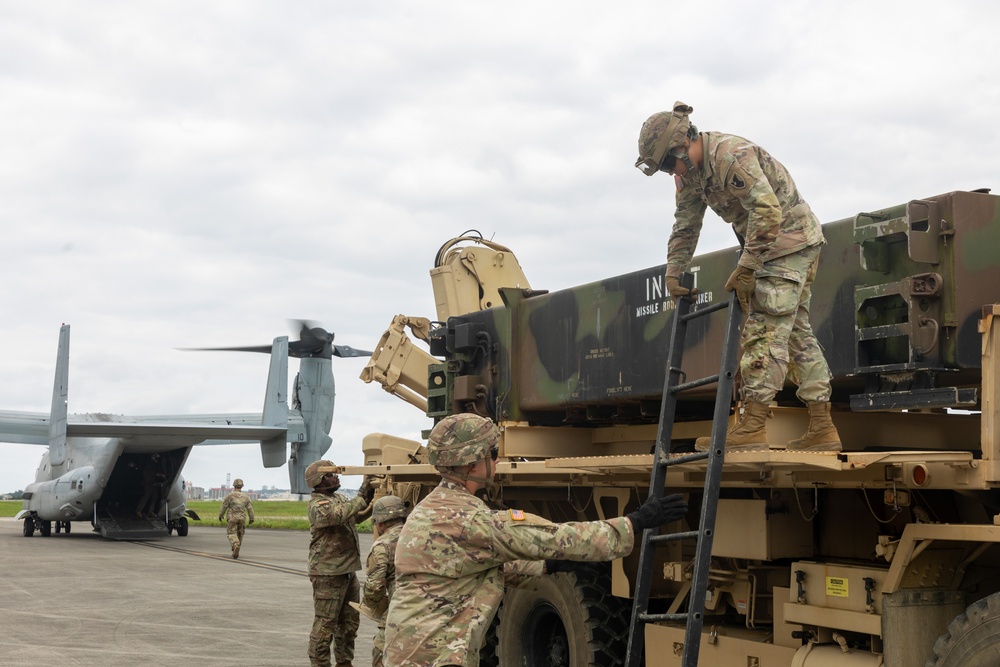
(80, 599)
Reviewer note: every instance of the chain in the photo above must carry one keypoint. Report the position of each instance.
(871, 509)
(798, 502)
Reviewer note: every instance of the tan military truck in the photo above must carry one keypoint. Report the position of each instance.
(885, 553)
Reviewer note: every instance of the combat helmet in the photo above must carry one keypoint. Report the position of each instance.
(388, 508)
(461, 439)
(662, 132)
(237, 483)
(313, 476)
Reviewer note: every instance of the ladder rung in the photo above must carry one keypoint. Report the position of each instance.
(687, 458)
(677, 388)
(707, 310)
(657, 618)
(675, 537)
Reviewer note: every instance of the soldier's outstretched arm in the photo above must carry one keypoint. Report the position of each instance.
(522, 536)
(334, 511)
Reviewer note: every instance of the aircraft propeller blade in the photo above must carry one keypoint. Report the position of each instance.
(314, 341)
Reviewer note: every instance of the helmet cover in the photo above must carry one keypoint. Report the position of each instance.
(661, 132)
(461, 439)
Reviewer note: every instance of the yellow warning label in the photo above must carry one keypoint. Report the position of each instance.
(836, 587)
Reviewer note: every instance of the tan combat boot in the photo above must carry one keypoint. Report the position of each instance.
(821, 436)
(750, 432)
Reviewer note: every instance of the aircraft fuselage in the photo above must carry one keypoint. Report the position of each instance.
(97, 474)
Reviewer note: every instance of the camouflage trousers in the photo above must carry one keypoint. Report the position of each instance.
(235, 531)
(336, 622)
(378, 645)
(777, 337)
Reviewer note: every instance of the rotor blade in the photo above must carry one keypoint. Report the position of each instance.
(255, 348)
(348, 351)
(314, 341)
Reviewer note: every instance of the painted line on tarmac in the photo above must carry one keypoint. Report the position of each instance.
(228, 559)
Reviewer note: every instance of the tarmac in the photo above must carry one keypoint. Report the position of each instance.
(80, 599)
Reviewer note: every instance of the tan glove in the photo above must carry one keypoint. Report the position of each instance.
(742, 281)
(673, 287)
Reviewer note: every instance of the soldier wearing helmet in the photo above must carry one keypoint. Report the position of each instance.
(235, 511)
(781, 239)
(334, 557)
(455, 554)
(388, 515)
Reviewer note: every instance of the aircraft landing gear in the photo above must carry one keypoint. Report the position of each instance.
(32, 523)
(180, 525)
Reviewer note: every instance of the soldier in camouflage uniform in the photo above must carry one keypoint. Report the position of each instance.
(781, 240)
(236, 509)
(455, 554)
(334, 557)
(388, 515)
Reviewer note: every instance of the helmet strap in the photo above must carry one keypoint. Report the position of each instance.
(686, 159)
(462, 478)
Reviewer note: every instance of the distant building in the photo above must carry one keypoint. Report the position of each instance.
(220, 492)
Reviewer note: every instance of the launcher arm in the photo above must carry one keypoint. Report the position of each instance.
(399, 365)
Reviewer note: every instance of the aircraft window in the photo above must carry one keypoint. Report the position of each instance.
(73, 484)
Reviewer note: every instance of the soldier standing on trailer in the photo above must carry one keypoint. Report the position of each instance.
(781, 240)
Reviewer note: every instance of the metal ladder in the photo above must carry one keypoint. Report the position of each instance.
(672, 386)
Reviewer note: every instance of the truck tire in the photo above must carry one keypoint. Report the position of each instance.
(972, 639)
(564, 620)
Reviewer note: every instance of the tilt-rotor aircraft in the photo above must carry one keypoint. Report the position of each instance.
(123, 474)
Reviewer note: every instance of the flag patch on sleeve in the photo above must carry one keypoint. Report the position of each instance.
(516, 515)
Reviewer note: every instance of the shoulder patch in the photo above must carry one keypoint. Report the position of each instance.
(736, 178)
(678, 182)
(516, 515)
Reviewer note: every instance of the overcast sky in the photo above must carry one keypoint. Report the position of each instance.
(181, 174)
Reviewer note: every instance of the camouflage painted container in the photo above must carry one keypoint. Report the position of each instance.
(895, 306)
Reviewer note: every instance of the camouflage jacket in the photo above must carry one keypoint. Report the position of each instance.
(453, 557)
(380, 570)
(333, 544)
(749, 189)
(236, 507)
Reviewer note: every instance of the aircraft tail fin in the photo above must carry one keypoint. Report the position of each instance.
(60, 405)
(273, 451)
